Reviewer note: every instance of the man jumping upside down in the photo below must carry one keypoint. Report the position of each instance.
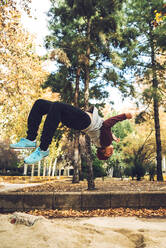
(88, 122)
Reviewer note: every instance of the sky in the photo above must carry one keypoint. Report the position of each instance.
(37, 25)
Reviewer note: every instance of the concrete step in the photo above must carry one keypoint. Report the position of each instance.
(25, 201)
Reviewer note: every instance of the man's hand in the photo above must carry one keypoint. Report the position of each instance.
(128, 115)
(115, 138)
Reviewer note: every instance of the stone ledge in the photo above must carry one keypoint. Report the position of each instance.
(95, 200)
(25, 201)
(67, 200)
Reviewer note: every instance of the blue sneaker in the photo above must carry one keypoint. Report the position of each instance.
(23, 144)
(36, 156)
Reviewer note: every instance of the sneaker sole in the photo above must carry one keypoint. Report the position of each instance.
(27, 147)
(37, 161)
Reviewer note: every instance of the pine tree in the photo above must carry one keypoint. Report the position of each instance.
(142, 59)
(84, 30)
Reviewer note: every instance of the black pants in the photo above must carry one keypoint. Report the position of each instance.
(56, 112)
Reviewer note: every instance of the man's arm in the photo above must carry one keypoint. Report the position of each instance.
(110, 122)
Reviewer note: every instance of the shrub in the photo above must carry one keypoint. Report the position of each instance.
(8, 158)
(135, 167)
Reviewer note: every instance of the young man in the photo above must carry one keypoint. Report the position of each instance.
(88, 122)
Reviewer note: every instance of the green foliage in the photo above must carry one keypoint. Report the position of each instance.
(140, 19)
(135, 167)
(8, 158)
(140, 118)
(151, 170)
(129, 171)
(76, 26)
(139, 155)
(144, 59)
(98, 166)
(120, 130)
(99, 169)
(116, 162)
(161, 36)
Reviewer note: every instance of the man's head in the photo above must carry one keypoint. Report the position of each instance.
(105, 153)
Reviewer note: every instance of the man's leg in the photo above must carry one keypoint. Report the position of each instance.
(41, 107)
(51, 123)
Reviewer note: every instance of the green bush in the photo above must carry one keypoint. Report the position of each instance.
(152, 171)
(135, 167)
(98, 169)
(8, 158)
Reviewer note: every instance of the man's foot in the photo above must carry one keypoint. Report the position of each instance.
(23, 144)
(36, 156)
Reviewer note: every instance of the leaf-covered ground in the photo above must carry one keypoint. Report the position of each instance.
(117, 212)
(108, 184)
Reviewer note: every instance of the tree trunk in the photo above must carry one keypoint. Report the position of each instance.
(49, 170)
(25, 169)
(156, 109)
(32, 170)
(77, 133)
(59, 172)
(90, 177)
(54, 168)
(80, 166)
(44, 170)
(76, 158)
(158, 141)
(39, 167)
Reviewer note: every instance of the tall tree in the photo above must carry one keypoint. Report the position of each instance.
(143, 58)
(84, 30)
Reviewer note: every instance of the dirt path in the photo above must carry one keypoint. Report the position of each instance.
(105, 232)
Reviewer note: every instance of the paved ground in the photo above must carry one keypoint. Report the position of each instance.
(6, 187)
